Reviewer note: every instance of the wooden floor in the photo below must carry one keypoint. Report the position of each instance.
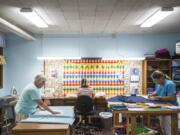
(105, 132)
(98, 133)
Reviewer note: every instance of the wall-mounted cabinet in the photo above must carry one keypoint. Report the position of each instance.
(176, 71)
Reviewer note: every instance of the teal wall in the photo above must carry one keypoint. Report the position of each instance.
(2, 44)
(21, 54)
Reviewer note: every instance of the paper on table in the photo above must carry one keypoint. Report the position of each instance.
(66, 116)
(136, 109)
(43, 113)
(173, 107)
(151, 104)
(49, 120)
(65, 111)
(134, 106)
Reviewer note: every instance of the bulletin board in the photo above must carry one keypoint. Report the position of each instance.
(112, 77)
(103, 75)
(54, 73)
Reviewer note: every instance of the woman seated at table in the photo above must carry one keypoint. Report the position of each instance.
(85, 90)
(165, 90)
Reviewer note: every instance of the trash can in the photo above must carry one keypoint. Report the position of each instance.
(106, 120)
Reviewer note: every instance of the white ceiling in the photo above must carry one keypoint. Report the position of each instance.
(91, 16)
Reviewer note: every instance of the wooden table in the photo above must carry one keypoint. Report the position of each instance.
(41, 129)
(99, 102)
(133, 114)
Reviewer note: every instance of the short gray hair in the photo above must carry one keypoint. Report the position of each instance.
(39, 78)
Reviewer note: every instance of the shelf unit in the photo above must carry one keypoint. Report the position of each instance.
(149, 66)
(176, 71)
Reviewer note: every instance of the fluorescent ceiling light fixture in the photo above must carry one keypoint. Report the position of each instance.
(125, 58)
(133, 58)
(16, 30)
(57, 58)
(33, 17)
(110, 58)
(157, 17)
(62, 58)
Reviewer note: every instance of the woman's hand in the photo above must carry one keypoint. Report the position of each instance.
(42, 109)
(154, 97)
(54, 112)
(149, 96)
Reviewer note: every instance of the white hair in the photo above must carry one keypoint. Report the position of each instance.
(39, 78)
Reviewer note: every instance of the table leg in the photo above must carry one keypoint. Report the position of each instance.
(127, 128)
(174, 124)
(133, 124)
(147, 120)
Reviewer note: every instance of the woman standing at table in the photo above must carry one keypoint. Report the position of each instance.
(165, 90)
(30, 98)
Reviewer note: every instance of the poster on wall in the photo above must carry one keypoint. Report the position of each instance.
(54, 71)
(134, 75)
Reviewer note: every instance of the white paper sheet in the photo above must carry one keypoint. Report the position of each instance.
(47, 113)
(136, 109)
(66, 116)
(65, 111)
(173, 107)
(60, 120)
